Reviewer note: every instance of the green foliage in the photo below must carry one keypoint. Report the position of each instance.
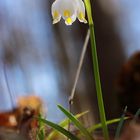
(120, 125)
(60, 129)
(41, 129)
(109, 122)
(76, 122)
(63, 124)
(137, 114)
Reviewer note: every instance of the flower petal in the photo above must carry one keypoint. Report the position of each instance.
(70, 20)
(56, 11)
(81, 11)
(68, 11)
(67, 8)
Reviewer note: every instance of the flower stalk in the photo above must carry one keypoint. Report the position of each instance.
(96, 71)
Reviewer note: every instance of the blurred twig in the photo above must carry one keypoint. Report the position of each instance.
(79, 67)
(71, 97)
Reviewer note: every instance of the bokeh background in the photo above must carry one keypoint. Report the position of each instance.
(38, 58)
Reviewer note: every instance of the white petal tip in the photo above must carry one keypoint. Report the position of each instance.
(83, 21)
(56, 21)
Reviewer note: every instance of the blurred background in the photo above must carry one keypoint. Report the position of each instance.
(38, 58)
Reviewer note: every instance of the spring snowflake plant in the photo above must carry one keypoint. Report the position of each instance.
(69, 10)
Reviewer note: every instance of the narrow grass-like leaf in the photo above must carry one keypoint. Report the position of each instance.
(99, 125)
(120, 125)
(76, 122)
(109, 122)
(63, 124)
(60, 129)
(41, 129)
(137, 114)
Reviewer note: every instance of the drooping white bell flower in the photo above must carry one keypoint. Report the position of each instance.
(68, 10)
(81, 11)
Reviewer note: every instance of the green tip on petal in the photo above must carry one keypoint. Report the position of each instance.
(81, 18)
(68, 21)
(85, 21)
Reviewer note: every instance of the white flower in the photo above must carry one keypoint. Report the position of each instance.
(69, 10)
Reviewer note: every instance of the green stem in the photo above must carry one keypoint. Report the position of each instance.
(96, 71)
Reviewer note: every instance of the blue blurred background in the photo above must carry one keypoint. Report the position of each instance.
(41, 59)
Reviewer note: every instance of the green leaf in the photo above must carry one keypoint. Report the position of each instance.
(63, 124)
(99, 125)
(96, 126)
(76, 122)
(41, 129)
(137, 114)
(120, 125)
(60, 129)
